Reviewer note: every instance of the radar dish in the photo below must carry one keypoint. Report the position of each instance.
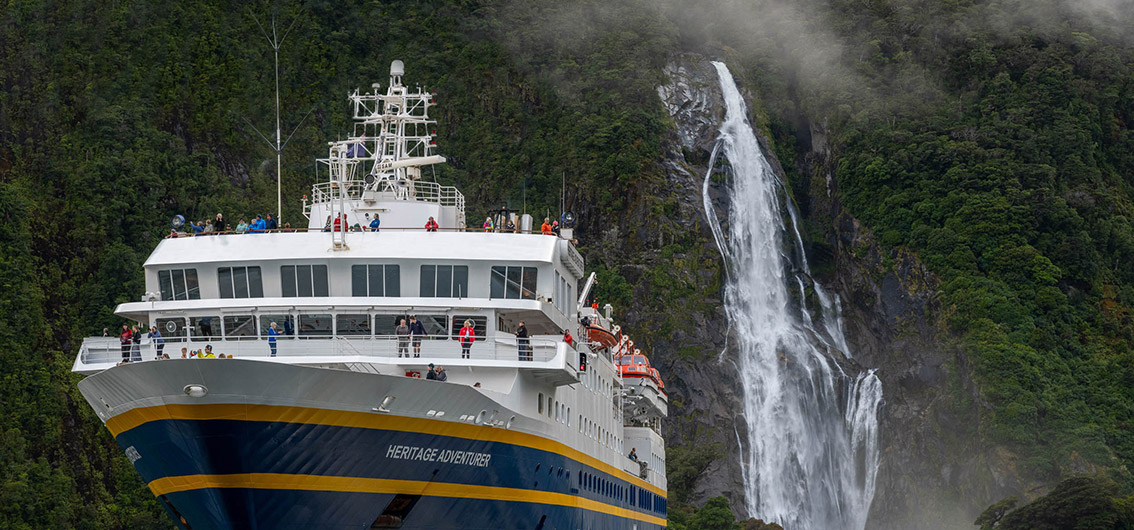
(178, 221)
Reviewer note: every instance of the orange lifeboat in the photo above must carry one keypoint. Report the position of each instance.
(602, 336)
(633, 365)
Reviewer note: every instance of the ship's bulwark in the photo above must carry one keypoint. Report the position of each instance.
(256, 466)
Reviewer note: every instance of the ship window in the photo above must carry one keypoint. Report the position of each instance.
(240, 282)
(239, 326)
(539, 402)
(205, 327)
(171, 327)
(444, 281)
(315, 325)
(480, 324)
(303, 280)
(352, 325)
(179, 284)
(513, 283)
(376, 280)
(285, 325)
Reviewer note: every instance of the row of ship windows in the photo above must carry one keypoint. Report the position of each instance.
(632, 495)
(561, 413)
(436, 281)
(312, 325)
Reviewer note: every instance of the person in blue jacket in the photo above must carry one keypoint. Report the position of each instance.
(375, 223)
(270, 223)
(258, 225)
(272, 334)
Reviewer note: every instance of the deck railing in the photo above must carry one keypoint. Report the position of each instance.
(103, 350)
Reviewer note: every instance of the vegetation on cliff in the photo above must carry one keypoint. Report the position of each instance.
(991, 138)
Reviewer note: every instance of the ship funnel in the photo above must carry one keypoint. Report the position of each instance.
(397, 68)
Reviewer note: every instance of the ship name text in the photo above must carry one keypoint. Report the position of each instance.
(433, 454)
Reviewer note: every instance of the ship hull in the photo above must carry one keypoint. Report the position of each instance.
(282, 446)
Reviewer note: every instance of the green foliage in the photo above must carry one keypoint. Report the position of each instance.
(1084, 503)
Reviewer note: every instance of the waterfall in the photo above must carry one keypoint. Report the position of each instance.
(811, 454)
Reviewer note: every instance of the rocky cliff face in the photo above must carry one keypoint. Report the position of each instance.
(935, 472)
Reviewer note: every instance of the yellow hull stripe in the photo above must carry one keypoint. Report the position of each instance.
(277, 481)
(366, 420)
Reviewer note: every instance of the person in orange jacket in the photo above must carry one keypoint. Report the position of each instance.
(545, 229)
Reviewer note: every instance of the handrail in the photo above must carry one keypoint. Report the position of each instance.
(176, 235)
(104, 350)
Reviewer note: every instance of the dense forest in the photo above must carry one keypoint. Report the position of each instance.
(991, 139)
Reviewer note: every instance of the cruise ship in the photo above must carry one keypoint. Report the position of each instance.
(285, 393)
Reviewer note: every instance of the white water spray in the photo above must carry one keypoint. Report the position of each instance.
(812, 448)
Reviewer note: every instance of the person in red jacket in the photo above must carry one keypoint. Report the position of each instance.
(431, 225)
(127, 340)
(466, 338)
(568, 338)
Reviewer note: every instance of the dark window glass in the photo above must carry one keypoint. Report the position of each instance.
(284, 324)
(171, 327)
(194, 289)
(224, 282)
(460, 281)
(239, 326)
(358, 280)
(528, 285)
(240, 282)
(352, 325)
(255, 283)
(496, 282)
(393, 280)
(318, 325)
(444, 281)
(319, 277)
(165, 279)
(428, 280)
(514, 277)
(435, 325)
(205, 327)
(179, 285)
(287, 281)
(376, 280)
(303, 279)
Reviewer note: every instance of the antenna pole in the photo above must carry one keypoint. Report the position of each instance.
(279, 151)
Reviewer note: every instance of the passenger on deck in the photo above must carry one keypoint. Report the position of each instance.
(439, 374)
(155, 338)
(136, 349)
(545, 228)
(219, 225)
(184, 353)
(431, 225)
(524, 343)
(272, 334)
(510, 225)
(198, 228)
(633, 454)
(402, 333)
(555, 227)
(257, 225)
(417, 331)
(209, 226)
(269, 223)
(466, 337)
(125, 339)
(241, 227)
(488, 226)
(568, 338)
(208, 353)
(374, 223)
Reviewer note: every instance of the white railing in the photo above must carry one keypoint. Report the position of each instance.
(422, 191)
(103, 350)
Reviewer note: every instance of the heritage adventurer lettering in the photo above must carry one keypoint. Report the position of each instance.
(432, 454)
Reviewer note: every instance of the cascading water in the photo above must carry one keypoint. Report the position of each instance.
(812, 447)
